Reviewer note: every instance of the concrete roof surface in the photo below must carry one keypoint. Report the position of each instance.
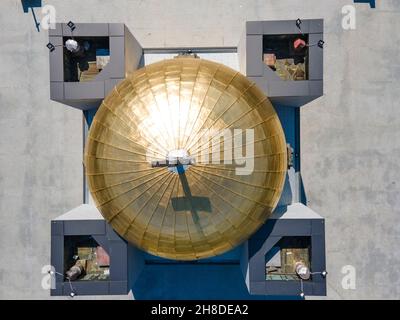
(349, 137)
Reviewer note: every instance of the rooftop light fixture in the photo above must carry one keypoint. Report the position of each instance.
(298, 23)
(320, 43)
(71, 25)
(50, 46)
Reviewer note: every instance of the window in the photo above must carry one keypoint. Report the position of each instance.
(281, 260)
(281, 56)
(85, 259)
(91, 56)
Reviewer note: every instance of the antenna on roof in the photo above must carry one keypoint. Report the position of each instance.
(73, 292)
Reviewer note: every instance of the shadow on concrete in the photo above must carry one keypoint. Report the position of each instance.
(30, 4)
(286, 195)
(26, 4)
(371, 2)
(303, 196)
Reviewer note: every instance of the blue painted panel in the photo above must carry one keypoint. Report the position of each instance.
(290, 120)
(102, 52)
(26, 4)
(232, 256)
(89, 115)
(371, 2)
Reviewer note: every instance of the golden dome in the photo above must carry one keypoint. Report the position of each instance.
(197, 206)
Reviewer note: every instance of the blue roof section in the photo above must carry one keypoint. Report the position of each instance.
(371, 2)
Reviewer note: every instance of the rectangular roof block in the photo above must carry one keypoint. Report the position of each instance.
(295, 220)
(125, 57)
(283, 92)
(86, 220)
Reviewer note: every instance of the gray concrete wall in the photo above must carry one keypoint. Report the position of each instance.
(350, 152)
(349, 142)
(40, 155)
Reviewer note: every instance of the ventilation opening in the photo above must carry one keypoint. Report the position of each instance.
(287, 56)
(281, 260)
(85, 259)
(87, 59)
